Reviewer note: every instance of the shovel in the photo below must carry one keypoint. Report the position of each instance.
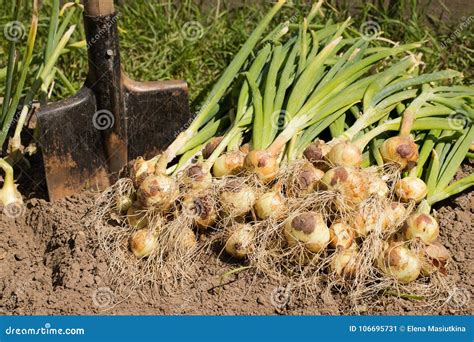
(88, 138)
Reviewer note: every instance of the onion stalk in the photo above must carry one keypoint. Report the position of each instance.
(218, 90)
(10, 197)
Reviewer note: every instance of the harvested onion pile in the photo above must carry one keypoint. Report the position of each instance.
(318, 155)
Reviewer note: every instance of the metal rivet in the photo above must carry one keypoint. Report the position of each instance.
(110, 53)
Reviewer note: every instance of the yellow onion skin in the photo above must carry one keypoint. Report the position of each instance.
(399, 262)
(157, 191)
(237, 199)
(240, 242)
(309, 229)
(400, 150)
(270, 205)
(304, 181)
(377, 187)
(341, 235)
(367, 221)
(346, 263)
(141, 170)
(422, 226)
(143, 242)
(262, 164)
(11, 200)
(411, 189)
(345, 154)
(435, 258)
(231, 163)
(136, 217)
(201, 208)
(196, 178)
(123, 203)
(316, 153)
(347, 181)
(395, 214)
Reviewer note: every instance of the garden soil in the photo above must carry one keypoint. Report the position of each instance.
(50, 263)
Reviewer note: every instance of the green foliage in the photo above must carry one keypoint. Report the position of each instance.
(154, 44)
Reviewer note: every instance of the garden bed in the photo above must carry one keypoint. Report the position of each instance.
(50, 263)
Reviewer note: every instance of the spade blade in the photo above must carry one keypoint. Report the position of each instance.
(71, 143)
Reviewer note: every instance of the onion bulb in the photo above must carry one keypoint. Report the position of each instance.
(270, 205)
(304, 180)
(136, 217)
(237, 199)
(411, 189)
(367, 221)
(345, 154)
(394, 214)
(142, 169)
(347, 181)
(197, 178)
(309, 229)
(400, 150)
(123, 203)
(239, 244)
(10, 197)
(263, 164)
(346, 263)
(399, 262)
(377, 187)
(316, 153)
(341, 234)
(143, 242)
(201, 208)
(231, 163)
(158, 191)
(423, 226)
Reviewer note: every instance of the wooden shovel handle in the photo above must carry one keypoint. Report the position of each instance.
(99, 7)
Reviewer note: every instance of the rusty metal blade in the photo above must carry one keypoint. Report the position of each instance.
(73, 153)
(155, 113)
